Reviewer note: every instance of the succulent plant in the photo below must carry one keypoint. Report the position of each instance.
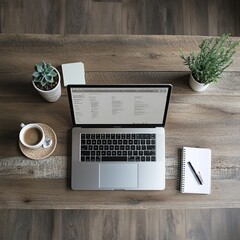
(44, 75)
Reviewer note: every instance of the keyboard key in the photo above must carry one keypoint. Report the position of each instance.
(113, 159)
(83, 136)
(153, 159)
(119, 153)
(150, 147)
(111, 147)
(103, 153)
(152, 136)
(112, 136)
(84, 147)
(131, 159)
(85, 153)
(98, 136)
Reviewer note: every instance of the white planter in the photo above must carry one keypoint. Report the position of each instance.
(52, 95)
(196, 86)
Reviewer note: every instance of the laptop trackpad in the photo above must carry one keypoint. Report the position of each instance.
(118, 176)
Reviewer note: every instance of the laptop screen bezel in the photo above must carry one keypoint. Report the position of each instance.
(168, 86)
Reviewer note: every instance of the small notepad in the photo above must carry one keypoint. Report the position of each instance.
(73, 73)
(200, 158)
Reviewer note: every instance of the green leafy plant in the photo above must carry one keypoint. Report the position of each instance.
(214, 57)
(44, 76)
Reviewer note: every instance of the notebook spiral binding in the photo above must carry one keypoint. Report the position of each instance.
(183, 170)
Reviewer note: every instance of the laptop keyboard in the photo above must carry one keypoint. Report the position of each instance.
(118, 147)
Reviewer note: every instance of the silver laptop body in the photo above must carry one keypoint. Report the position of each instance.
(114, 111)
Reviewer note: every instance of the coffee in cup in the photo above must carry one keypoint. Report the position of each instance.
(32, 135)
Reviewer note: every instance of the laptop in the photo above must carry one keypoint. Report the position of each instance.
(118, 136)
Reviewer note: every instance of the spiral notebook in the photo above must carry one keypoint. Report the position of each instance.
(196, 170)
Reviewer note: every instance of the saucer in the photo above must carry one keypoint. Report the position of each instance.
(41, 153)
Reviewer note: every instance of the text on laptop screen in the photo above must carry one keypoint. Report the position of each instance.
(114, 105)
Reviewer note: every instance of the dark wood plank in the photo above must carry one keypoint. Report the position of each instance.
(16, 224)
(223, 17)
(172, 224)
(225, 224)
(164, 17)
(133, 17)
(77, 224)
(1, 16)
(198, 224)
(121, 16)
(107, 17)
(78, 17)
(29, 224)
(35, 17)
(119, 224)
(198, 17)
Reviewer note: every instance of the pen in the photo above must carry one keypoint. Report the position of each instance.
(195, 173)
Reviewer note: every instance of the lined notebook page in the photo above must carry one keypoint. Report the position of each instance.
(200, 159)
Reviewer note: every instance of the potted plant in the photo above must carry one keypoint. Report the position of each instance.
(207, 65)
(47, 81)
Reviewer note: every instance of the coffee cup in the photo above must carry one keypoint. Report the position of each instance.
(32, 135)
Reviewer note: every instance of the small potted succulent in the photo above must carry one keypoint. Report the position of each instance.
(47, 81)
(214, 57)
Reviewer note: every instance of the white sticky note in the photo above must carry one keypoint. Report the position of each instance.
(73, 73)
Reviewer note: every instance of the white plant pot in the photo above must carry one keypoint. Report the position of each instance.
(196, 86)
(52, 95)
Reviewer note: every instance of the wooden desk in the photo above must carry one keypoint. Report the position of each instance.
(209, 119)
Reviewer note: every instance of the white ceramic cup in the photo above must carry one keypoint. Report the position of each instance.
(32, 135)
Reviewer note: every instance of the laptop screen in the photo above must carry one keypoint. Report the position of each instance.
(119, 105)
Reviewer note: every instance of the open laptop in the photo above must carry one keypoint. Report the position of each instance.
(118, 138)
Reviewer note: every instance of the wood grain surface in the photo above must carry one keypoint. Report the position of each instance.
(183, 17)
(209, 119)
(179, 224)
(100, 53)
(56, 194)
